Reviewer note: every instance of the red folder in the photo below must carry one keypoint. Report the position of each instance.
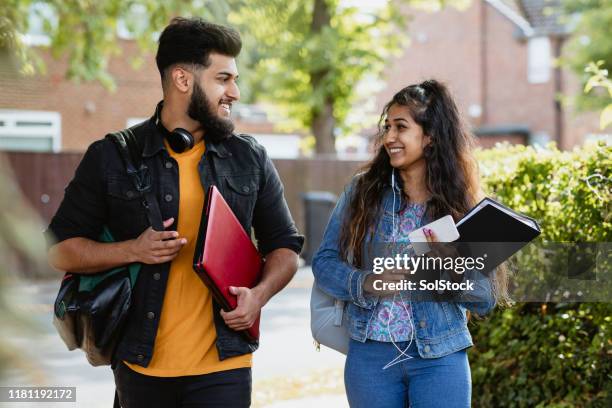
(225, 255)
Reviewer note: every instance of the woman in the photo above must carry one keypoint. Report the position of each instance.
(405, 352)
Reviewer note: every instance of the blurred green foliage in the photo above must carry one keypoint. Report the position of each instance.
(548, 354)
(87, 33)
(309, 58)
(568, 192)
(300, 68)
(590, 21)
(598, 81)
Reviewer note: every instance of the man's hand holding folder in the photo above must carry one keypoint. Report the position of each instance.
(247, 312)
(231, 267)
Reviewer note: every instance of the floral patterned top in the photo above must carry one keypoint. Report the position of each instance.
(391, 320)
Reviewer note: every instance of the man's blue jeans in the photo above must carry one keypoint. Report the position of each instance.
(415, 382)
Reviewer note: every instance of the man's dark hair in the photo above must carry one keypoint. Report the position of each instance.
(191, 40)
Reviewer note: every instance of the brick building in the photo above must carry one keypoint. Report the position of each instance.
(498, 57)
(46, 112)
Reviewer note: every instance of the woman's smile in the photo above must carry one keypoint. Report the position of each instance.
(395, 150)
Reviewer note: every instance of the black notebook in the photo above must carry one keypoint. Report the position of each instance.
(494, 230)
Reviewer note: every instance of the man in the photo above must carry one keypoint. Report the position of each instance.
(179, 348)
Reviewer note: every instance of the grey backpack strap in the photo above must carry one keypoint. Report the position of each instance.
(130, 148)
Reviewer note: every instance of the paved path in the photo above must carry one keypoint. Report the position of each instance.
(288, 372)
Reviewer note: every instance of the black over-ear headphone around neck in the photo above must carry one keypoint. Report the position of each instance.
(179, 139)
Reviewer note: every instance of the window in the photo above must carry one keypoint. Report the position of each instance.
(34, 131)
(538, 60)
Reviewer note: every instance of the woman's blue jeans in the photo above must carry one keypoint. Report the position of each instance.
(415, 382)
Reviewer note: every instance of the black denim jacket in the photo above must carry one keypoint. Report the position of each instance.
(101, 194)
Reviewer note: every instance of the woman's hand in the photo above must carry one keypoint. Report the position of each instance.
(441, 250)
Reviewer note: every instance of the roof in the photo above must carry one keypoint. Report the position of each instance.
(545, 16)
(534, 17)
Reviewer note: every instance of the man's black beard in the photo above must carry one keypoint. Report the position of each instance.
(215, 128)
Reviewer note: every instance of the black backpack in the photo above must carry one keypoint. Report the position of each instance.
(91, 309)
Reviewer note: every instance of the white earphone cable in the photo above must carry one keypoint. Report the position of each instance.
(398, 359)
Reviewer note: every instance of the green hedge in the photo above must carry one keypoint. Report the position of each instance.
(548, 354)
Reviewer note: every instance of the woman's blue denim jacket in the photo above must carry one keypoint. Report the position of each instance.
(440, 327)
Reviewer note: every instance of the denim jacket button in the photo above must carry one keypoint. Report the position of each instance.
(156, 276)
(140, 357)
(129, 194)
(422, 323)
(168, 164)
(150, 315)
(245, 189)
(427, 349)
(168, 197)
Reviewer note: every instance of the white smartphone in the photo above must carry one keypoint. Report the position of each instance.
(444, 228)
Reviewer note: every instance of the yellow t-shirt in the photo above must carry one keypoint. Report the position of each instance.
(185, 342)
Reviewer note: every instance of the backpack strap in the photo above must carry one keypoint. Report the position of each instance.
(130, 147)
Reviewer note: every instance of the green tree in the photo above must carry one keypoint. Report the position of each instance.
(312, 54)
(599, 79)
(85, 32)
(590, 42)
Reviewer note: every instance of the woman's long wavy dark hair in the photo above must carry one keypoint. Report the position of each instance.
(451, 171)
